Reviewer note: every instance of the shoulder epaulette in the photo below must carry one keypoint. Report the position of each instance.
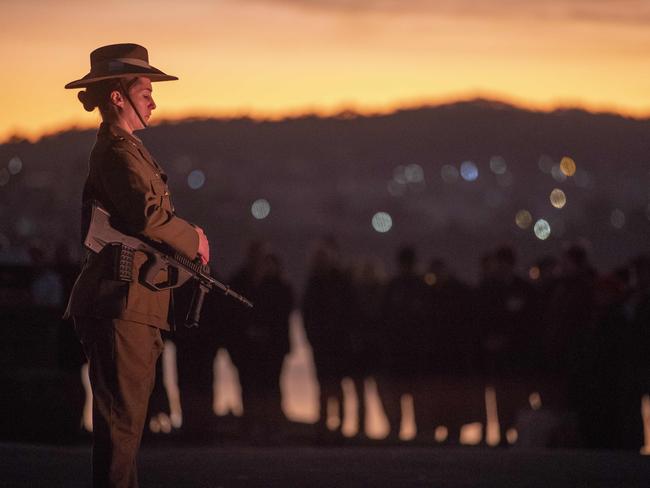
(124, 139)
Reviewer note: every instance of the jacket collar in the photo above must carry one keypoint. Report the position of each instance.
(114, 131)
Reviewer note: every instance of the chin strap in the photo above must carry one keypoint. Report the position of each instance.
(126, 94)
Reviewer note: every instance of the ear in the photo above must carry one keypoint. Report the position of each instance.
(117, 98)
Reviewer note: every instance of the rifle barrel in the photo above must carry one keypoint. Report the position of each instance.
(229, 291)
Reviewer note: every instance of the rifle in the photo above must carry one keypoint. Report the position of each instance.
(179, 268)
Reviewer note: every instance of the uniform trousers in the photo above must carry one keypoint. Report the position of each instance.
(122, 358)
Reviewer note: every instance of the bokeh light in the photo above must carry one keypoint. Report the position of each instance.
(557, 174)
(535, 400)
(498, 165)
(196, 179)
(441, 433)
(512, 435)
(414, 173)
(558, 198)
(430, 279)
(469, 171)
(399, 174)
(568, 166)
(545, 164)
(15, 165)
(382, 222)
(617, 218)
(542, 229)
(449, 173)
(261, 208)
(396, 189)
(534, 273)
(154, 425)
(523, 219)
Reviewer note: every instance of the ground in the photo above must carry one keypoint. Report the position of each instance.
(225, 466)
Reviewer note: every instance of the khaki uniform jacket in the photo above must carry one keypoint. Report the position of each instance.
(126, 181)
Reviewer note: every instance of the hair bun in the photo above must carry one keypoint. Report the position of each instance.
(87, 100)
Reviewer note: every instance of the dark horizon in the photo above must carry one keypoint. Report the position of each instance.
(352, 112)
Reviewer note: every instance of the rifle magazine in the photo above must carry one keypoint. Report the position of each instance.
(123, 262)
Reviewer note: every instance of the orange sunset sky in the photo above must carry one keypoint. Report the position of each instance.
(271, 58)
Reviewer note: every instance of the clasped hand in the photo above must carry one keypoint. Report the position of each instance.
(204, 246)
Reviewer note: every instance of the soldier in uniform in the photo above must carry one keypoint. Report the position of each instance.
(119, 322)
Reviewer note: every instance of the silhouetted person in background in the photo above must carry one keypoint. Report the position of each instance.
(506, 323)
(630, 326)
(66, 267)
(639, 305)
(196, 349)
(456, 394)
(545, 275)
(366, 348)
(569, 325)
(405, 333)
(327, 310)
(548, 272)
(605, 382)
(71, 355)
(47, 283)
(238, 321)
(265, 339)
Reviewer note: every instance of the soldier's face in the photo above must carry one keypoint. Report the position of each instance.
(141, 96)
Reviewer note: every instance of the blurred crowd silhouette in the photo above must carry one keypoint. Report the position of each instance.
(566, 349)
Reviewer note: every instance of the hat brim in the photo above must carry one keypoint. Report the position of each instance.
(130, 71)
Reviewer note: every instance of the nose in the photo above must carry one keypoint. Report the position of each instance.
(152, 104)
